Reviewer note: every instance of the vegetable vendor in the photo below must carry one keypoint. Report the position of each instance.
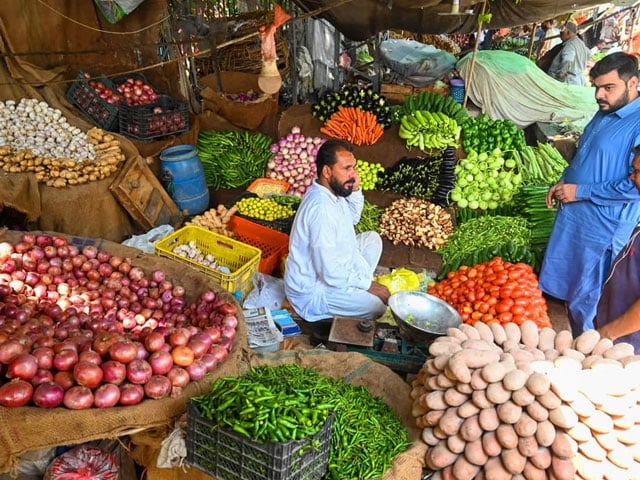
(618, 314)
(569, 64)
(329, 270)
(598, 204)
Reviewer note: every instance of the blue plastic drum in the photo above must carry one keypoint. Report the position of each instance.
(183, 178)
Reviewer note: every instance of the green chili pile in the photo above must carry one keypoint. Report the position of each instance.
(289, 402)
(369, 218)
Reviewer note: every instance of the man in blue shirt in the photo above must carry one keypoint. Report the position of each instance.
(329, 270)
(598, 204)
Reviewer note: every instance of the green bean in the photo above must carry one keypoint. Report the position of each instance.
(369, 218)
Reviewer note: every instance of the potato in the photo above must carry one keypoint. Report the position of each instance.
(513, 460)
(464, 470)
(417, 410)
(599, 422)
(586, 341)
(591, 449)
(477, 381)
(456, 444)
(602, 346)
(531, 472)
(428, 437)
(545, 433)
(587, 469)
(494, 372)
(450, 422)
(497, 394)
(479, 344)
(613, 472)
(507, 436)
(538, 383)
(579, 432)
(563, 416)
(619, 350)
(563, 340)
(441, 361)
(499, 335)
(621, 457)
(474, 452)
(608, 441)
(470, 331)
(490, 444)
(442, 381)
(449, 373)
(589, 360)
(509, 412)
(528, 446)
(536, 411)
(468, 409)
(494, 468)
(525, 426)
(513, 332)
(563, 446)
(562, 469)
(514, 380)
(488, 419)
(430, 367)
(521, 356)
(542, 458)
(456, 333)
(454, 398)
(549, 400)
(543, 366)
(435, 400)
(568, 363)
(479, 399)
(464, 388)
(439, 457)
(551, 354)
(529, 334)
(437, 431)
(470, 429)
(485, 332)
(444, 348)
(523, 397)
(582, 405)
(462, 361)
(432, 417)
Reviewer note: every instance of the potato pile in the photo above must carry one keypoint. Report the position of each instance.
(62, 172)
(501, 402)
(216, 220)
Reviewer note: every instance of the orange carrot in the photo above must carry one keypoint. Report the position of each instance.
(354, 125)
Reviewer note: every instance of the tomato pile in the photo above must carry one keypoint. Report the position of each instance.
(494, 291)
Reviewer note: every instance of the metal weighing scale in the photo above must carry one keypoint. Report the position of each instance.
(380, 342)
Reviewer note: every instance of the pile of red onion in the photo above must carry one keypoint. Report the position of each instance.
(136, 92)
(294, 160)
(82, 328)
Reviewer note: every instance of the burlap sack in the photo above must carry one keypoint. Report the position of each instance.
(30, 428)
(351, 367)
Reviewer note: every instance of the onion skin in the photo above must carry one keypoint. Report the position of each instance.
(16, 393)
(48, 395)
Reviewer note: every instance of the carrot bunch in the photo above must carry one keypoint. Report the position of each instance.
(354, 125)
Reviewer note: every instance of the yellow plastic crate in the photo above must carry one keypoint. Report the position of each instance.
(243, 260)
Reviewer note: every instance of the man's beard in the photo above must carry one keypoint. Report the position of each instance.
(343, 190)
(621, 102)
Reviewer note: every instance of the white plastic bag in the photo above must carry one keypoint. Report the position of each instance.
(268, 292)
(146, 242)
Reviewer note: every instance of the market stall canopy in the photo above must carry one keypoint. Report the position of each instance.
(361, 19)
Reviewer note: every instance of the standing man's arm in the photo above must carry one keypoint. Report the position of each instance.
(628, 322)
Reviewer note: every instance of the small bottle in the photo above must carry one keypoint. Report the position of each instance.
(455, 6)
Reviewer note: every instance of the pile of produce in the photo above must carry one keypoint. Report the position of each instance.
(82, 328)
(353, 125)
(480, 239)
(416, 223)
(369, 218)
(369, 174)
(233, 159)
(431, 178)
(426, 100)
(483, 134)
(135, 91)
(441, 42)
(35, 137)
(494, 291)
(99, 86)
(250, 96)
(294, 160)
(485, 180)
(191, 251)
(216, 220)
(364, 99)
(263, 209)
(539, 166)
(426, 130)
(532, 202)
(366, 435)
(522, 402)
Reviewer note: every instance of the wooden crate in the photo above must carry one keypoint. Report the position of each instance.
(142, 195)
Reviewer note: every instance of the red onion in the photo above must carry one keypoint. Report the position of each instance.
(161, 362)
(15, 393)
(10, 350)
(41, 376)
(87, 374)
(131, 394)
(219, 352)
(196, 370)
(65, 359)
(24, 366)
(48, 395)
(78, 398)
(106, 395)
(139, 371)
(64, 379)
(114, 372)
(44, 357)
(209, 361)
(123, 351)
(158, 386)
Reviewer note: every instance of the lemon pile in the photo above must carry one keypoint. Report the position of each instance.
(263, 209)
(368, 174)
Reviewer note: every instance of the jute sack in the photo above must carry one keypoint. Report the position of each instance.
(31, 428)
(351, 367)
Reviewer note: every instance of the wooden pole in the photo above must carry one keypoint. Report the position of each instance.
(532, 40)
(634, 14)
(467, 80)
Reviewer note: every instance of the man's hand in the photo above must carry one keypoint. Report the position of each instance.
(379, 291)
(562, 192)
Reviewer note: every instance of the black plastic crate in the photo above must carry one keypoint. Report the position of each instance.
(167, 116)
(227, 455)
(122, 79)
(82, 95)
